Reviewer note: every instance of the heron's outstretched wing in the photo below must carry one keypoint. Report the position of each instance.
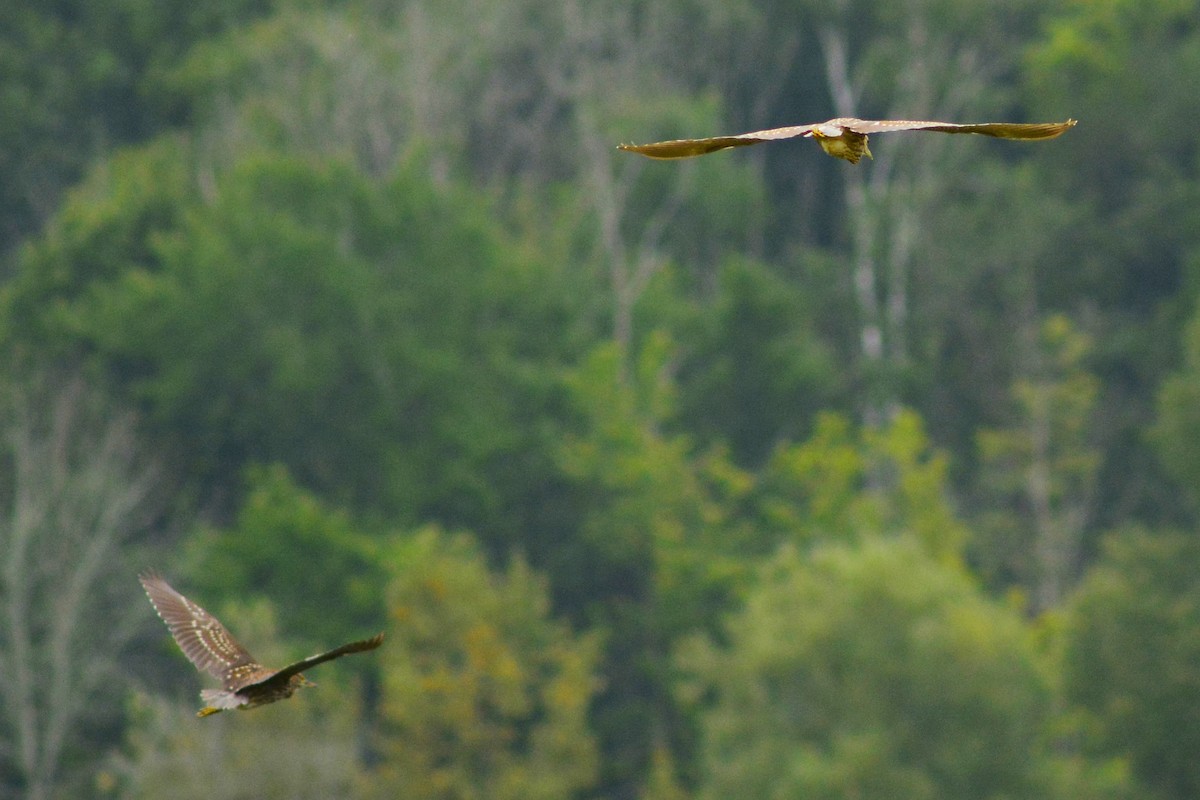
(337, 652)
(686, 148)
(200, 635)
(1001, 130)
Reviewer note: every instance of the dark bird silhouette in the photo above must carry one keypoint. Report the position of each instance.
(846, 137)
(208, 645)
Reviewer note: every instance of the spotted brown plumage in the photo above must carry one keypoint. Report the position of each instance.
(846, 137)
(208, 645)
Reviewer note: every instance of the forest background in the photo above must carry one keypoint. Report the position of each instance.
(757, 476)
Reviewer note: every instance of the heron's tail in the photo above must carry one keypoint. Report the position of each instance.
(218, 700)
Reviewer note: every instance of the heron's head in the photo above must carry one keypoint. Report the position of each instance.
(300, 682)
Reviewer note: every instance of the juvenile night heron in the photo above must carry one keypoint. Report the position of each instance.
(846, 137)
(206, 643)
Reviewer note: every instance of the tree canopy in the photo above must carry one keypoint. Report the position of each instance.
(766, 471)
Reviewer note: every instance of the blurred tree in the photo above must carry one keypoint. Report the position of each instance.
(107, 225)
(526, 98)
(753, 369)
(990, 307)
(311, 79)
(659, 551)
(285, 544)
(484, 694)
(846, 483)
(1179, 419)
(378, 341)
(80, 78)
(1132, 657)
(1138, 241)
(76, 492)
(662, 782)
(895, 678)
(648, 500)
(1045, 466)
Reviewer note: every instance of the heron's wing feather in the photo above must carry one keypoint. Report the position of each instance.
(312, 661)
(1002, 130)
(200, 635)
(686, 148)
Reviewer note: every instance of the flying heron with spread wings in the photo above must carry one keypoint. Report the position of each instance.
(206, 643)
(846, 137)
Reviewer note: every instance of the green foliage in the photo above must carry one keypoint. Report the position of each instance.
(484, 694)
(306, 316)
(1179, 417)
(982, 296)
(78, 78)
(660, 549)
(662, 783)
(106, 230)
(845, 484)
(224, 326)
(389, 267)
(1133, 62)
(313, 79)
(1132, 657)
(869, 670)
(653, 511)
(1044, 466)
(318, 567)
(754, 371)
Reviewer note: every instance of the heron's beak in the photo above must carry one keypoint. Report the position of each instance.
(305, 682)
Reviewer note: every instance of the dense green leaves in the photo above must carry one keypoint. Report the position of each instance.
(366, 268)
(1044, 466)
(286, 545)
(755, 370)
(1178, 421)
(845, 484)
(870, 670)
(301, 315)
(76, 79)
(1126, 65)
(485, 696)
(1133, 657)
(658, 552)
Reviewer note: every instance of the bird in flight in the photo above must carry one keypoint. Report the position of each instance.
(206, 643)
(846, 137)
